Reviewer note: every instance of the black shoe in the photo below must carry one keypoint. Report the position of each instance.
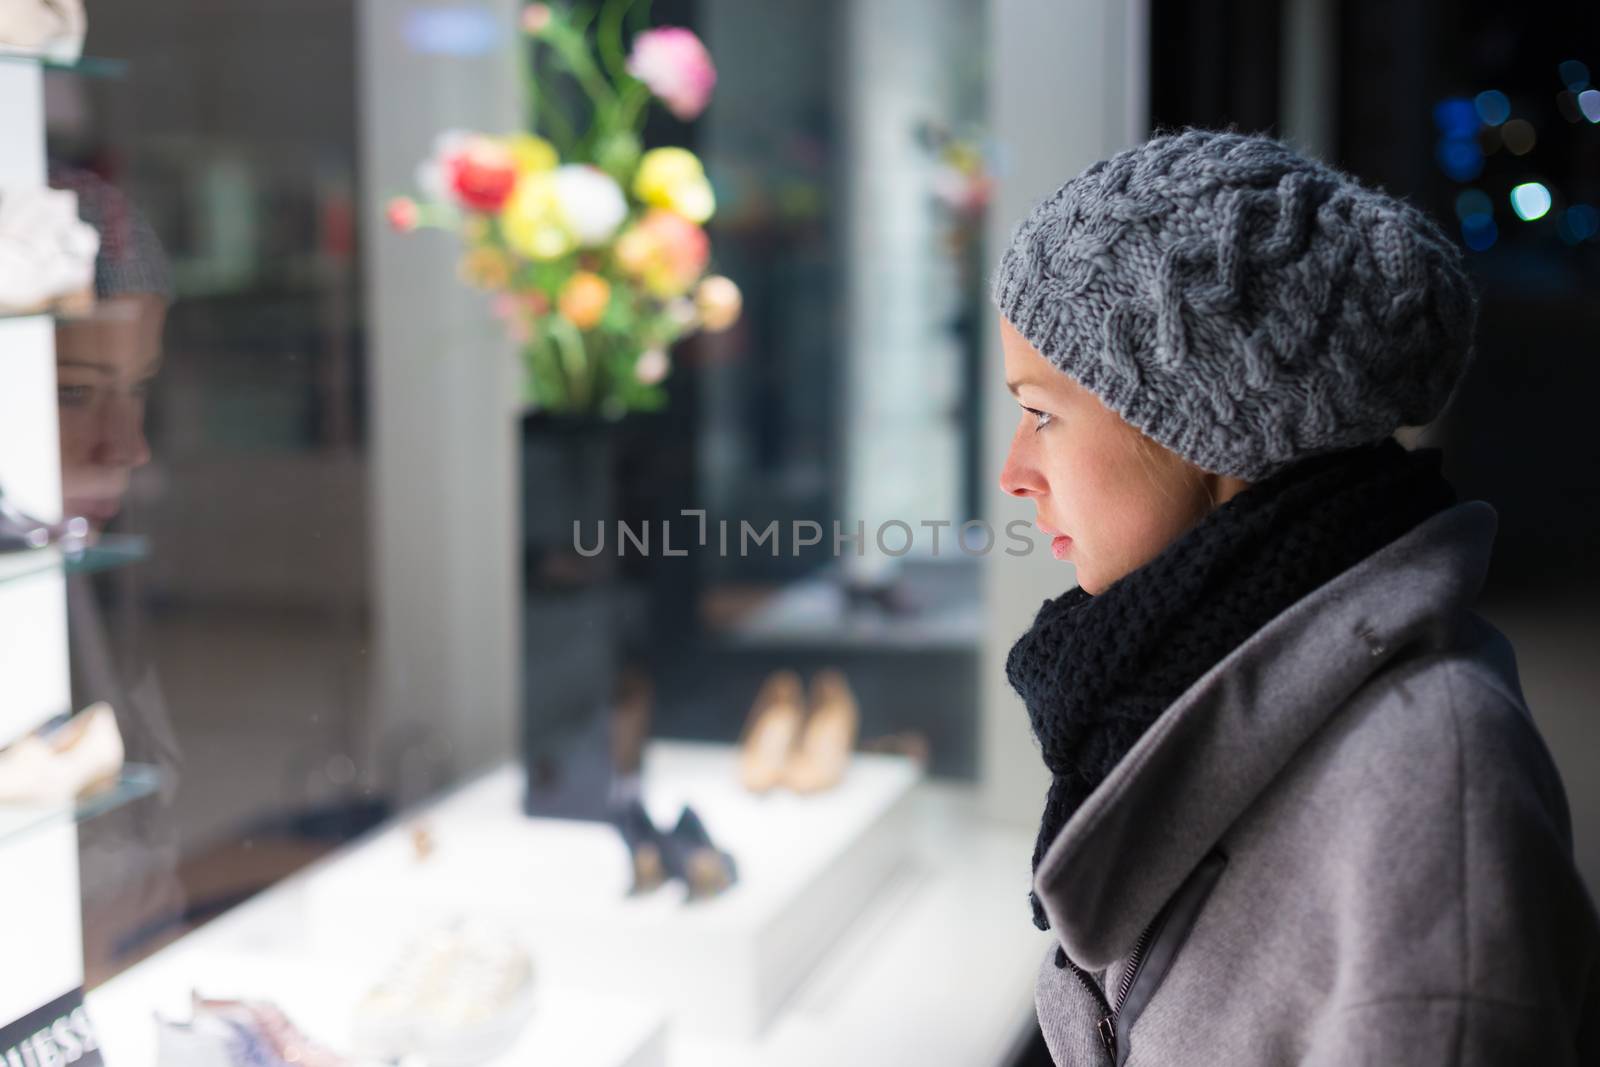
(692, 856)
(647, 847)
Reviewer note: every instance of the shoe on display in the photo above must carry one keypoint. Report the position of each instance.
(209, 1041)
(771, 731)
(53, 29)
(691, 856)
(823, 752)
(457, 997)
(646, 848)
(56, 766)
(47, 253)
(263, 1035)
(21, 532)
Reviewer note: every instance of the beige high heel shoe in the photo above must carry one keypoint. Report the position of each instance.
(823, 752)
(80, 757)
(771, 731)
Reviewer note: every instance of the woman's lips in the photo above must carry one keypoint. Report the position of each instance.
(102, 509)
(1060, 546)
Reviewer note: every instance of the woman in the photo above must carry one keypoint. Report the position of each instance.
(1299, 810)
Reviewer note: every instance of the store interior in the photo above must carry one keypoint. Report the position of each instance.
(325, 739)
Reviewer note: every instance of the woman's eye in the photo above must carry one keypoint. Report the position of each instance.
(1041, 419)
(73, 395)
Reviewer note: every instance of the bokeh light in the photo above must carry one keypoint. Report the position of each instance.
(1530, 201)
(1473, 202)
(1578, 223)
(1492, 106)
(1479, 232)
(1574, 74)
(1460, 158)
(1456, 117)
(1518, 136)
(1589, 104)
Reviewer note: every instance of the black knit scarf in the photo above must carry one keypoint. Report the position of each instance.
(1096, 671)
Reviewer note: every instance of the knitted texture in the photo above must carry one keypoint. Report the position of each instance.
(131, 259)
(1242, 305)
(1096, 671)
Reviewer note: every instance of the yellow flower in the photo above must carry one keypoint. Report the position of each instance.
(674, 179)
(486, 268)
(584, 298)
(532, 220)
(532, 154)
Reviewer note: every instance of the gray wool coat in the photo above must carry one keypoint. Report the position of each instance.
(1346, 844)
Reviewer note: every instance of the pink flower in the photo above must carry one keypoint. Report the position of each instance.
(535, 17)
(677, 68)
(402, 214)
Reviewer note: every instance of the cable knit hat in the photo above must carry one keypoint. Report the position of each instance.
(1242, 305)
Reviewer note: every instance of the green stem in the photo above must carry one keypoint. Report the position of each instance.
(569, 344)
(634, 98)
(608, 35)
(562, 135)
(571, 48)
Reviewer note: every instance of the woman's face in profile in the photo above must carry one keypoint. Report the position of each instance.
(1118, 499)
(104, 365)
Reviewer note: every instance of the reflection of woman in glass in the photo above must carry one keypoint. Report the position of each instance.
(104, 366)
(1299, 810)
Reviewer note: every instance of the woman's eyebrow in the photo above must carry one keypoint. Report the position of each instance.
(83, 364)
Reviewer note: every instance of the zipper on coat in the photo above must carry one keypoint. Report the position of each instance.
(1181, 911)
(1107, 1027)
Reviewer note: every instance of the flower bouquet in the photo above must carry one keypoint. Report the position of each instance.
(594, 248)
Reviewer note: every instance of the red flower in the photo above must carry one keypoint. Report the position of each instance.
(482, 174)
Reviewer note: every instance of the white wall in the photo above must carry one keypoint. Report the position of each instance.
(1067, 88)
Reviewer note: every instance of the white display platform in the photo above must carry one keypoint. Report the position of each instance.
(566, 1028)
(808, 866)
(937, 971)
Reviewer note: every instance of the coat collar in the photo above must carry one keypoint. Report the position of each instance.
(1208, 757)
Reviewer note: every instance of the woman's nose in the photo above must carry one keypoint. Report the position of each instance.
(122, 441)
(1019, 477)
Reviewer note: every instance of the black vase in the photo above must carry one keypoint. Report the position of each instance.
(570, 614)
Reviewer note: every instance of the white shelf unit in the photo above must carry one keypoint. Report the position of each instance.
(40, 890)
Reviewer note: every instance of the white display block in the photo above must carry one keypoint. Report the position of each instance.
(43, 939)
(566, 1028)
(33, 610)
(808, 866)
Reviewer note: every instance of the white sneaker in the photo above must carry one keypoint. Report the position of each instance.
(458, 997)
(50, 28)
(57, 766)
(46, 252)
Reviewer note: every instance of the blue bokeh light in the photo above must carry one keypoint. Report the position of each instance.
(1473, 202)
(1456, 117)
(1492, 106)
(1460, 157)
(1530, 201)
(1479, 232)
(1579, 223)
(1574, 74)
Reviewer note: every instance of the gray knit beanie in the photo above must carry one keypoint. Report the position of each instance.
(1242, 305)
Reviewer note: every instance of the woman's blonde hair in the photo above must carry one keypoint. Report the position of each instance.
(1154, 457)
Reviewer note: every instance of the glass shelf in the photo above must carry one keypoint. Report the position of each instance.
(110, 551)
(86, 67)
(47, 313)
(136, 780)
